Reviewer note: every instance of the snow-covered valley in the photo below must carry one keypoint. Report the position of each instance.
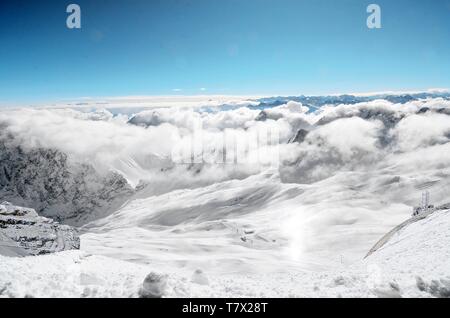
(299, 226)
(414, 264)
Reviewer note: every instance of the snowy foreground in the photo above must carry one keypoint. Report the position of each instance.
(412, 264)
(346, 175)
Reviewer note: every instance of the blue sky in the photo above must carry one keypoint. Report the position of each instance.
(243, 47)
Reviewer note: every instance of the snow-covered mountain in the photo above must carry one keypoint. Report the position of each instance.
(45, 180)
(156, 191)
(316, 102)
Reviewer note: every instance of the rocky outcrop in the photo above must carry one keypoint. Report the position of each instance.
(387, 117)
(262, 116)
(266, 115)
(299, 136)
(56, 187)
(154, 286)
(23, 232)
(146, 119)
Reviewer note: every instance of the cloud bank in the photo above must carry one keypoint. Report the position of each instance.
(141, 146)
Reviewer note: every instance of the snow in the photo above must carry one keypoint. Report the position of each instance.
(69, 274)
(414, 263)
(10, 248)
(298, 230)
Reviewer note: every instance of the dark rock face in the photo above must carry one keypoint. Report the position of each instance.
(445, 111)
(146, 119)
(389, 118)
(299, 136)
(24, 232)
(423, 110)
(47, 181)
(262, 116)
(444, 207)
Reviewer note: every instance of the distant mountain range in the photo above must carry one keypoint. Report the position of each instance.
(315, 102)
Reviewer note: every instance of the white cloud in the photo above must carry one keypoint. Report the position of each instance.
(346, 142)
(420, 131)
